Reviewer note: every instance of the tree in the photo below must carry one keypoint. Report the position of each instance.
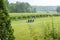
(23, 7)
(34, 10)
(58, 9)
(28, 7)
(6, 31)
(7, 3)
(20, 7)
(12, 8)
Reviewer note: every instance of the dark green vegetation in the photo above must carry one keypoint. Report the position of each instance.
(6, 31)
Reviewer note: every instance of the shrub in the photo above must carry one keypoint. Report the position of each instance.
(6, 31)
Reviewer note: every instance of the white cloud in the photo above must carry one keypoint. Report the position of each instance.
(41, 2)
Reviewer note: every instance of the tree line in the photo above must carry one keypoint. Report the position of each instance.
(23, 7)
(19, 7)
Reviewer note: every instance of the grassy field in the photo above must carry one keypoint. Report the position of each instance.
(34, 30)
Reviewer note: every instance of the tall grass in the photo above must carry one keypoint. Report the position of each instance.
(50, 32)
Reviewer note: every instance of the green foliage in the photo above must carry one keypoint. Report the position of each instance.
(7, 3)
(23, 7)
(6, 31)
(12, 8)
(19, 7)
(50, 32)
(19, 16)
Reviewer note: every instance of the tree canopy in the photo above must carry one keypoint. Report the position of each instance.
(19, 7)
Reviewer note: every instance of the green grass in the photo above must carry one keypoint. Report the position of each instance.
(22, 31)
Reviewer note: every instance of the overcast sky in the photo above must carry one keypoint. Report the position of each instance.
(40, 2)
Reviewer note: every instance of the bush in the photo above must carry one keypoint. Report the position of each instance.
(6, 31)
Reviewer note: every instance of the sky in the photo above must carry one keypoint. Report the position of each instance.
(39, 2)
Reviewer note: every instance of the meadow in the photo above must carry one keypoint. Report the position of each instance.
(35, 30)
